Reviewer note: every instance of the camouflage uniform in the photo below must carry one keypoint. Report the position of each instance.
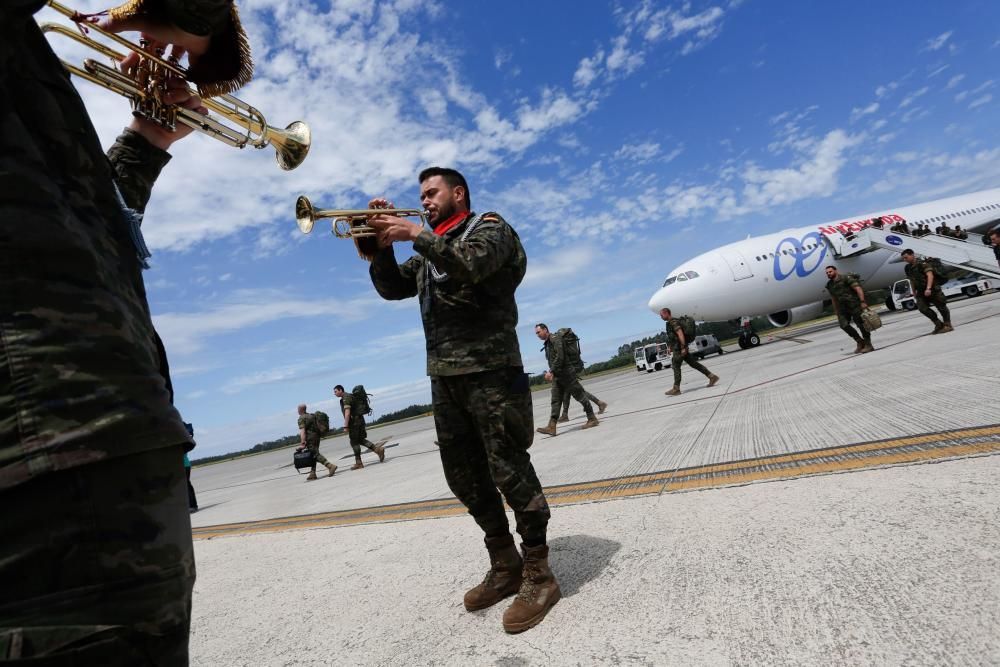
(465, 281)
(564, 379)
(677, 358)
(357, 432)
(308, 422)
(848, 307)
(917, 273)
(96, 559)
(566, 396)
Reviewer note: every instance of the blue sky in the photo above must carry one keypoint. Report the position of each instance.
(618, 138)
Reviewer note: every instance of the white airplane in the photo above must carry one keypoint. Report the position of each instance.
(781, 275)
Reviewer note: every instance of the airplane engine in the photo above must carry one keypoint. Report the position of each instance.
(784, 318)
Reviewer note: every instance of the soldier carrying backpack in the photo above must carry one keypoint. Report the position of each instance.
(355, 406)
(562, 352)
(680, 334)
(926, 278)
(309, 436)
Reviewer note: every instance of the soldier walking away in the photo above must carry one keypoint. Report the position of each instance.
(354, 407)
(96, 556)
(564, 364)
(926, 286)
(677, 340)
(465, 272)
(848, 301)
(564, 417)
(310, 432)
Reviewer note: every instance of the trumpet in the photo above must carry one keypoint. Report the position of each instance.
(351, 223)
(146, 89)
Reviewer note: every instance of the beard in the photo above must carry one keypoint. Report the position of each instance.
(444, 212)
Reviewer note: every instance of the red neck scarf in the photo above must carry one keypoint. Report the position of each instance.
(451, 223)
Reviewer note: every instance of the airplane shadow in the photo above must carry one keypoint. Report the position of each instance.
(579, 559)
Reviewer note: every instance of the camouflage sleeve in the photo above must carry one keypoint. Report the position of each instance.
(393, 281)
(302, 422)
(348, 402)
(136, 164)
(558, 363)
(476, 258)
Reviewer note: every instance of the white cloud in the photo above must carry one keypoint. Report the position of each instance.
(912, 97)
(643, 152)
(935, 43)
(954, 81)
(859, 112)
(588, 69)
(980, 101)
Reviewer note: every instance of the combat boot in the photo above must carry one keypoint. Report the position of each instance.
(332, 468)
(591, 421)
(539, 591)
(712, 379)
(673, 391)
(503, 578)
(312, 475)
(564, 417)
(601, 407)
(380, 450)
(358, 465)
(867, 347)
(860, 347)
(548, 430)
(946, 327)
(938, 328)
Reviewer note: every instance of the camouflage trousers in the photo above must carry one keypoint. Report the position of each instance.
(566, 396)
(564, 387)
(485, 426)
(357, 433)
(937, 299)
(846, 315)
(97, 565)
(678, 358)
(314, 448)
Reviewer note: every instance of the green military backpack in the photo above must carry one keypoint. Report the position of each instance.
(322, 421)
(361, 405)
(571, 348)
(688, 327)
(934, 264)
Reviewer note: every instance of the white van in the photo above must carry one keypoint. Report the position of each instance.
(705, 345)
(652, 357)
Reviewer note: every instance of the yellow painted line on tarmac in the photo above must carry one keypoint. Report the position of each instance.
(908, 449)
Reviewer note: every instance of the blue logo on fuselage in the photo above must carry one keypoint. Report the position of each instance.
(894, 240)
(804, 262)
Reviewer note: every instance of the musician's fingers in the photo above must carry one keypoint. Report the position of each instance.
(129, 63)
(176, 53)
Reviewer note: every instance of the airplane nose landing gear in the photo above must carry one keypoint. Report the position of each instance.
(748, 337)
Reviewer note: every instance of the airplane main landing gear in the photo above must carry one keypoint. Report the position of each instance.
(748, 340)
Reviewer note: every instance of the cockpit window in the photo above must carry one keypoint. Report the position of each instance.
(669, 281)
(681, 278)
(691, 274)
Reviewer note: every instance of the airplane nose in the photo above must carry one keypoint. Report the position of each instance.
(658, 301)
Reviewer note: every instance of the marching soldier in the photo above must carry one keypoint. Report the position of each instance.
(309, 437)
(563, 376)
(357, 432)
(927, 292)
(678, 342)
(564, 417)
(848, 301)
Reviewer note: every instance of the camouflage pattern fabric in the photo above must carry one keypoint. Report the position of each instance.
(677, 359)
(482, 405)
(308, 422)
(565, 386)
(96, 562)
(357, 431)
(917, 273)
(314, 448)
(466, 292)
(555, 356)
(842, 288)
(566, 396)
(100, 570)
(485, 427)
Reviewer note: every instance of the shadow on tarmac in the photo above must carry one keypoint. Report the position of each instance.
(579, 559)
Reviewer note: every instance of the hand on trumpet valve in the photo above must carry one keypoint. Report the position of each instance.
(159, 35)
(390, 228)
(177, 92)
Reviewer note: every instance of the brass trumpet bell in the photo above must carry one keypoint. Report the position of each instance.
(351, 223)
(145, 90)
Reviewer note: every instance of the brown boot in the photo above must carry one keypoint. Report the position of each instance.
(358, 465)
(564, 417)
(332, 468)
(938, 327)
(674, 391)
(503, 578)
(867, 347)
(712, 379)
(591, 422)
(601, 407)
(548, 430)
(380, 450)
(539, 591)
(946, 327)
(312, 475)
(860, 347)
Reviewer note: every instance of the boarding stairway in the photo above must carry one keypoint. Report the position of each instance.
(973, 257)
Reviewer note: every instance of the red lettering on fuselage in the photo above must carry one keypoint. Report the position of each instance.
(857, 225)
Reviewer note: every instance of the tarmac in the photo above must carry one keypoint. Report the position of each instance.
(814, 507)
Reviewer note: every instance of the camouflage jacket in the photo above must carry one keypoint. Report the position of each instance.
(465, 281)
(83, 375)
(308, 422)
(917, 273)
(842, 289)
(347, 403)
(673, 324)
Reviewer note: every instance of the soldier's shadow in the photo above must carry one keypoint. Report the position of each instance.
(579, 559)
